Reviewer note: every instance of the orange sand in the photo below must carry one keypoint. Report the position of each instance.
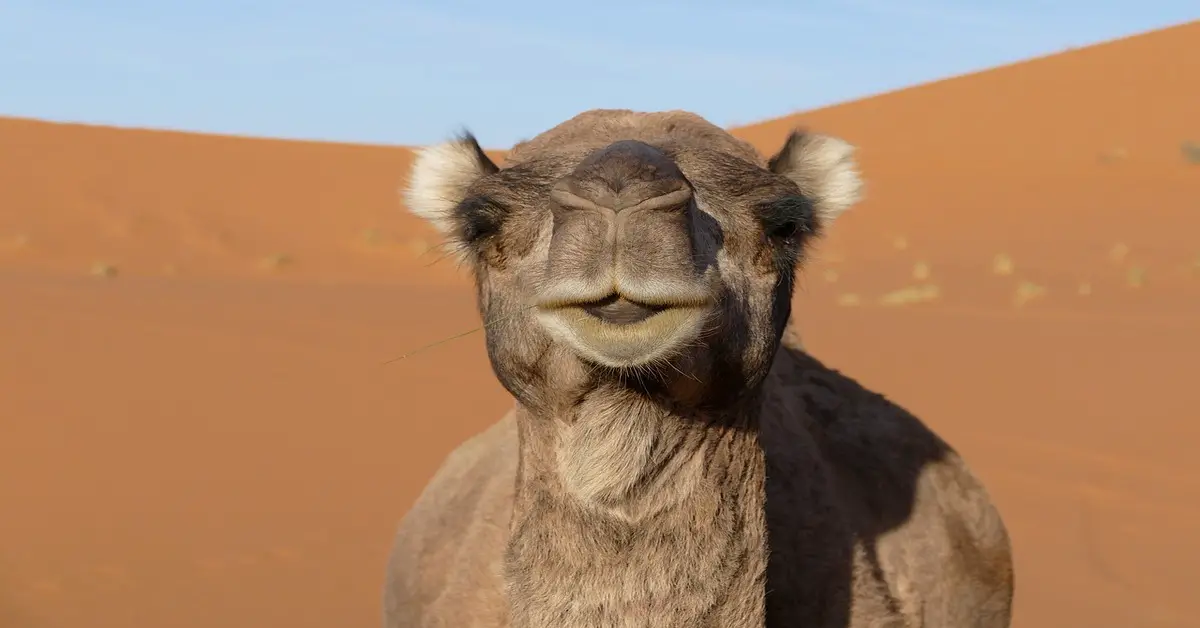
(196, 428)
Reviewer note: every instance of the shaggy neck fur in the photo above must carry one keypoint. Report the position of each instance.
(630, 515)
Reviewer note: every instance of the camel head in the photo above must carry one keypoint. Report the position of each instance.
(646, 250)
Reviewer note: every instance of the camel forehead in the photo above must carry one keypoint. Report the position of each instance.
(595, 129)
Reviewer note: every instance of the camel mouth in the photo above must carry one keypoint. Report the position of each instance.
(616, 309)
(622, 332)
(620, 310)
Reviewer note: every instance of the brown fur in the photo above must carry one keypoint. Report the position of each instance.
(690, 469)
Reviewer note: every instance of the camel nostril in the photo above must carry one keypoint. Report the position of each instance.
(617, 310)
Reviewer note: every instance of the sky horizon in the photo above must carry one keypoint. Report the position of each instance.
(368, 71)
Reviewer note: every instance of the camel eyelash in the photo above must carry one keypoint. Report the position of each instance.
(480, 217)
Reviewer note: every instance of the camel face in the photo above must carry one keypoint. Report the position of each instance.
(629, 246)
(631, 266)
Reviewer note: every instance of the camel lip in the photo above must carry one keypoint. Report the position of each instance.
(624, 344)
(619, 299)
(617, 310)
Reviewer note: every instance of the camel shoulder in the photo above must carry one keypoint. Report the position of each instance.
(446, 553)
(476, 474)
(853, 428)
(895, 476)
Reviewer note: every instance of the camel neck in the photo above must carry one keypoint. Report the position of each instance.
(632, 512)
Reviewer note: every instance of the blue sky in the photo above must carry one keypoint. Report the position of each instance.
(411, 72)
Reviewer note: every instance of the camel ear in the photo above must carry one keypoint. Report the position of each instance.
(441, 177)
(825, 169)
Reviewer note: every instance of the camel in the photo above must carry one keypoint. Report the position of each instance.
(674, 457)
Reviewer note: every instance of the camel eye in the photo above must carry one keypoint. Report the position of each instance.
(785, 230)
(787, 218)
(479, 218)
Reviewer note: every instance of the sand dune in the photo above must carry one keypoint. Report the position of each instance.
(154, 203)
(1062, 156)
(197, 427)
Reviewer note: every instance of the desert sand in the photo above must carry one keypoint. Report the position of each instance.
(198, 427)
